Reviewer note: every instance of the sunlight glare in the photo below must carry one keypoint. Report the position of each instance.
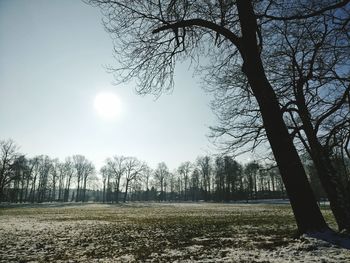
(107, 105)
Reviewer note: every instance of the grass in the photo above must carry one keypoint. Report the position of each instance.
(142, 232)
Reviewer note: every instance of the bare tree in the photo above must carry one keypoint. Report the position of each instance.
(55, 179)
(104, 173)
(251, 171)
(150, 36)
(69, 172)
(116, 168)
(306, 64)
(8, 155)
(44, 171)
(146, 178)
(28, 178)
(34, 174)
(161, 175)
(184, 171)
(61, 180)
(316, 55)
(195, 184)
(204, 167)
(83, 168)
(89, 170)
(84, 171)
(133, 169)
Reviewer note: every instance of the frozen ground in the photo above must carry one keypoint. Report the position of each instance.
(144, 232)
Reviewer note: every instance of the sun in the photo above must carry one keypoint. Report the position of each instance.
(107, 105)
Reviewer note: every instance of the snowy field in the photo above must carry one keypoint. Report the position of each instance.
(144, 232)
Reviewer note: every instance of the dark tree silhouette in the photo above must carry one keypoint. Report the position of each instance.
(307, 64)
(251, 171)
(204, 167)
(315, 55)
(68, 169)
(36, 180)
(104, 174)
(8, 155)
(116, 168)
(161, 175)
(150, 36)
(184, 171)
(133, 169)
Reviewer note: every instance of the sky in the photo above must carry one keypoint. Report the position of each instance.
(53, 58)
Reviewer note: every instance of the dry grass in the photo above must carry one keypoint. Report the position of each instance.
(156, 232)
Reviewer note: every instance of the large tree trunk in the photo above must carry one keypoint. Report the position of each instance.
(330, 179)
(306, 211)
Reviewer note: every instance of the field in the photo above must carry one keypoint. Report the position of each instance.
(153, 232)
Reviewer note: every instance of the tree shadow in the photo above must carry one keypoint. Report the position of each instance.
(332, 237)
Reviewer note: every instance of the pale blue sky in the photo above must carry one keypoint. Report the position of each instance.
(51, 67)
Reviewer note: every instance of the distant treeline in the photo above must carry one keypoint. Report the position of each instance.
(44, 179)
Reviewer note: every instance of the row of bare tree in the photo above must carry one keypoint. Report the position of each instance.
(41, 178)
(208, 179)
